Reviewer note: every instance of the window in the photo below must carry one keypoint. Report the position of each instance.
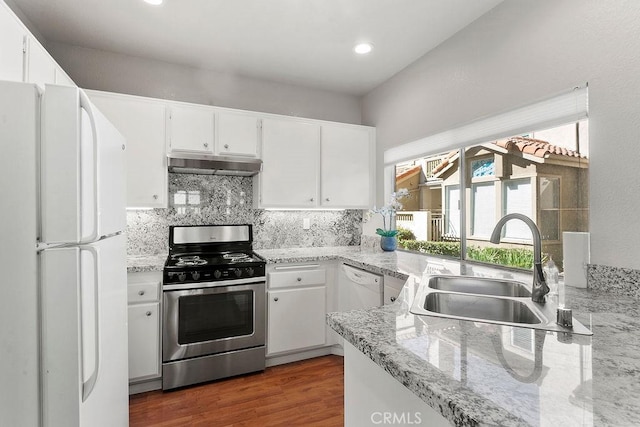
(461, 195)
(483, 213)
(549, 205)
(517, 199)
(452, 211)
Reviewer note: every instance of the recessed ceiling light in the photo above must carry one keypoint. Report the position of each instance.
(363, 48)
(154, 2)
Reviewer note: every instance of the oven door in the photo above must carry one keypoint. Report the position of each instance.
(212, 319)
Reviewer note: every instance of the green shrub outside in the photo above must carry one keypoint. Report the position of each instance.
(512, 257)
(405, 234)
(435, 248)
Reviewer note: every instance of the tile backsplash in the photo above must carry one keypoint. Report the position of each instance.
(213, 199)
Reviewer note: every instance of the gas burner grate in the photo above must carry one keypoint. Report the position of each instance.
(191, 260)
(236, 256)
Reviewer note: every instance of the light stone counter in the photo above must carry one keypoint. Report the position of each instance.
(142, 263)
(483, 374)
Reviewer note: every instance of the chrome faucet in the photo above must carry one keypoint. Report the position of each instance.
(540, 288)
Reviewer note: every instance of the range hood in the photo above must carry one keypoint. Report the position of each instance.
(204, 164)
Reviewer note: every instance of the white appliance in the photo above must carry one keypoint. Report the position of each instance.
(63, 309)
(358, 289)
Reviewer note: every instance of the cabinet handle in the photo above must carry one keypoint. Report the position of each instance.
(393, 299)
(226, 146)
(275, 299)
(206, 144)
(140, 293)
(148, 313)
(327, 199)
(124, 147)
(299, 279)
(311, 199)
(155, 197)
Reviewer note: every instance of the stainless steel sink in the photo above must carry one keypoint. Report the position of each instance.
(480, 286)
(480, 307)
(477, 299)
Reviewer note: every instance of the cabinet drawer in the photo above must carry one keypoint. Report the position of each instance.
(142, 292)
(296, 277)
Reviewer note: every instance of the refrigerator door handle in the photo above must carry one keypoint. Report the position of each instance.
(85, 104)
(89, 384)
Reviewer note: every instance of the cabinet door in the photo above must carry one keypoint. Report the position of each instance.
(144, 341)
(41, 68)
(296, 319)
(237, 134)
(346, 159)
(190, 129)
(141, 122)
(290, 155)
(11, 46)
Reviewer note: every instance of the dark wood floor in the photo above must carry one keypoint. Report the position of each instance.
(307, 393)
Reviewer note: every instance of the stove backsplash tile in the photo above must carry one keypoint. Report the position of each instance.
(212, 199)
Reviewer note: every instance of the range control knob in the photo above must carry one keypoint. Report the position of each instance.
(237, 272)
(217, 274)
(182, 276)
(195, 275)
(250, 271)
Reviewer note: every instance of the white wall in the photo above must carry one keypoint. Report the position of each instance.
(108, 71)
(522, 51)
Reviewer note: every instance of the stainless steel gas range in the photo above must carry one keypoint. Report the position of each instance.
(214, 320)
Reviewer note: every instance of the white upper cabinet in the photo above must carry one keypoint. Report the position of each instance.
(190, 129)
(12, 36)
(237, 134)
(346, 167)
(308, 165)
(290, 154)
(142, 122)
(62, 78)
(41, 68)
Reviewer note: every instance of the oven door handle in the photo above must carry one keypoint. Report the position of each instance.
(219, 284)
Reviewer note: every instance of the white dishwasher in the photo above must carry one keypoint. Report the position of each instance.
(358, 289)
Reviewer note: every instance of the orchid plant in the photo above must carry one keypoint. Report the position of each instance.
(389, 211)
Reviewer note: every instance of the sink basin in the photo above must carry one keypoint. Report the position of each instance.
(481, 299)
(480, 307)
(480, 286)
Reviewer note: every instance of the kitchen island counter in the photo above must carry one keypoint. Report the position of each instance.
(483, 374)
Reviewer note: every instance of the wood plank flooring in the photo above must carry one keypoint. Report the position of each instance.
(306, 393)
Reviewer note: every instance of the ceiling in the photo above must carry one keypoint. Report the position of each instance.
(301, 42)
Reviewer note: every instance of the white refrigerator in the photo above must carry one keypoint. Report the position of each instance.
(63, 305)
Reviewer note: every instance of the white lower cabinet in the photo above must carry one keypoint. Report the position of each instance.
(372, 396)
(296, 319)
(392, 288)
(144, 326)
(144, 336)
(297, 307)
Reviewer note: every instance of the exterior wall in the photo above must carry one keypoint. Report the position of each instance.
(520, 52)
(108, 71)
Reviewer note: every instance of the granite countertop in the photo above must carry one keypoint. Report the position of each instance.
(483, 374)
(143, 263)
